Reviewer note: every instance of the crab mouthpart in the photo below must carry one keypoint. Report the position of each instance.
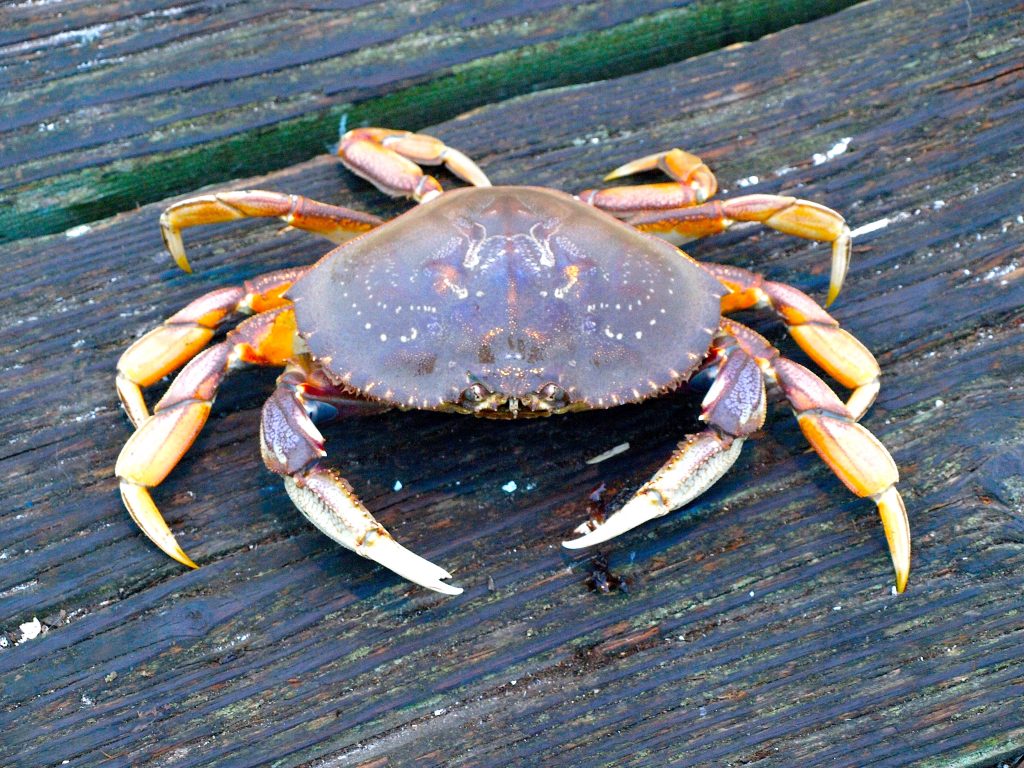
(480, 401)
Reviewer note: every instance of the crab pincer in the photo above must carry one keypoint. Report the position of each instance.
(733, 408)
(292, 447)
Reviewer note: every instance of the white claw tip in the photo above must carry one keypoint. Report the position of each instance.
(638, 510)
(575, 543)
(447, 589)
(409, 565)
(597, 536)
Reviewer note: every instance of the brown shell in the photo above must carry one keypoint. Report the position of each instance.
(513, 287)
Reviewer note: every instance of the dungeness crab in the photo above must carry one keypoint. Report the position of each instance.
(502, 302)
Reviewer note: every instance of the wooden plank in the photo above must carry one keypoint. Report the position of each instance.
(758, 627)
(113, 105)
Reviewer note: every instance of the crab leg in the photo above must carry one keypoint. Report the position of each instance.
(170, 345)
(390, 160)
(693, 183)
(791, 215)
(292, 447)
(334, 222)
(851, 451)
(733, 408)
(162, 439)
(842, 356)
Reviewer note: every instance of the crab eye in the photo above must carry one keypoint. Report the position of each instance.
(474, 394)
(552, 393)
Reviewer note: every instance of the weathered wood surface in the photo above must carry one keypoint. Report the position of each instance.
(759, 627)
(106, 106)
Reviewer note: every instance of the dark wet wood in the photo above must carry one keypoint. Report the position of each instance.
(111, 105)
(758, 626)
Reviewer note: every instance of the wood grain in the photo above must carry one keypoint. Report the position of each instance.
(106, 107)
(758, 627)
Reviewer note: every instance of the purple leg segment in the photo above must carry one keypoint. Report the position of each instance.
(292, 447)
(733, 408)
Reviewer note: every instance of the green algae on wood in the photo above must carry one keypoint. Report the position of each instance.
(58, 202)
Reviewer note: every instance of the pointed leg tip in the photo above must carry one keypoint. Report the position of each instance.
(173, 242)
(633, 167)
(170, 547)
(182, 263)
(833, 293)
(176, 248)
(640, 164)
(841, 250)
(897, 533)
(130, 395)
(464, 167)
(184, 559)
(146, 515)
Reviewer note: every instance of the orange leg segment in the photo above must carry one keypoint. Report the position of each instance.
(838, 352)
(693, 183)
(334, 222)
(180, 338)
(390, 160)
(161, 439)
(851, 451)
(791, 215)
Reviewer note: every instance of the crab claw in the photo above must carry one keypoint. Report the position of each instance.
(695, 466)
(329, 503)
